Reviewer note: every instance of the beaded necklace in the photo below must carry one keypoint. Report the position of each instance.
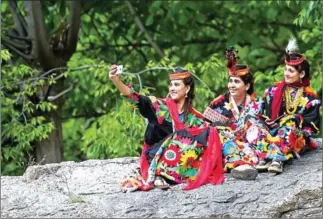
(291, 105)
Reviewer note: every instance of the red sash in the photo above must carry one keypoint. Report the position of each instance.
(278, 96)
(211, 170)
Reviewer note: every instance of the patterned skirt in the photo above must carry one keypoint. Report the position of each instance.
(178, 159)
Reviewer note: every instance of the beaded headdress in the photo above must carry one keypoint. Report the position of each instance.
(291, 56)
(179, 75)
(233, 70)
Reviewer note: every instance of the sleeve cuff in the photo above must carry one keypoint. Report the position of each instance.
(133, 97)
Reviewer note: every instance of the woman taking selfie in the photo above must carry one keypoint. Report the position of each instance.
(178, 144)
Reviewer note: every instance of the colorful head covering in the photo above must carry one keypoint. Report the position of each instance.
(296, 59)
(291, 56)
(233, 68)
(179, 75)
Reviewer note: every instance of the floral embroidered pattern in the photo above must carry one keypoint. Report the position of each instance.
(292, 127)
(133, 98)
(236, 149)
(178, 159)
(248, 145)
(172, 156)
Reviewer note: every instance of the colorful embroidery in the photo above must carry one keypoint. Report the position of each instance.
(178, 157)
(250, 140)
(292, 127)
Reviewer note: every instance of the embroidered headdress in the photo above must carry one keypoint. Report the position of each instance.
(235, 69)
(179, 75)
(291, 56)
(300, 63)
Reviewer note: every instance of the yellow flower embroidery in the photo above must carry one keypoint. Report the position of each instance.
(264, 143)
(273, 139)
(187, 158)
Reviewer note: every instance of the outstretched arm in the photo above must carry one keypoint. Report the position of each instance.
(124, 89)
(142, 102)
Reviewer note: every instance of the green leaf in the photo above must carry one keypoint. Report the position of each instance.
(182, 19)
(149, 20)
(86, 18)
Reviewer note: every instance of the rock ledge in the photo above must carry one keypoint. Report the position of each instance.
(90, 189)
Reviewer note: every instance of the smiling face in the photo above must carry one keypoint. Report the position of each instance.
(177, 90)
(237, 87)
(292, 75)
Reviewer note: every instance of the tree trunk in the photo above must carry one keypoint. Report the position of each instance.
(50, 150)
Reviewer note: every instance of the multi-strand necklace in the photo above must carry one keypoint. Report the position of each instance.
(291, 105)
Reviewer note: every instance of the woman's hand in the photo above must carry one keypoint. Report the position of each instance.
(114, 77)
(113, 72)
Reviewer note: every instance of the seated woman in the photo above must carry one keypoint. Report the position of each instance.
(235, 115)
(178, 144)
(295, 101)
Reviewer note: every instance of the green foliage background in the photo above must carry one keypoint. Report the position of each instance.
(98, 124)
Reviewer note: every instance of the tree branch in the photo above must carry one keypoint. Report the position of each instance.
(19, 20)
(214, 26)
(193, 41)
(74, 27)
(164, 44)
(143, 29)
(98, 32)
(18, 52)
(52, 98)
(16, 44)
(112, 46)
(91, 5)
(38, 34)
(18, 37)
(138, 50)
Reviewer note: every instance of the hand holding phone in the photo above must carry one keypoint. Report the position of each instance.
(119, 69)
(115, 70)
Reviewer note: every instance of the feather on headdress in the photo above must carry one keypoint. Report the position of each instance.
(231, 55)
(291, 49)
(292, 45)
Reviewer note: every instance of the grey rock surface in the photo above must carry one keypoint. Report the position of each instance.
(244, 172)
(91, 189)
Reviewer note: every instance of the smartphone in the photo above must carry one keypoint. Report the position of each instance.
(119, 69)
